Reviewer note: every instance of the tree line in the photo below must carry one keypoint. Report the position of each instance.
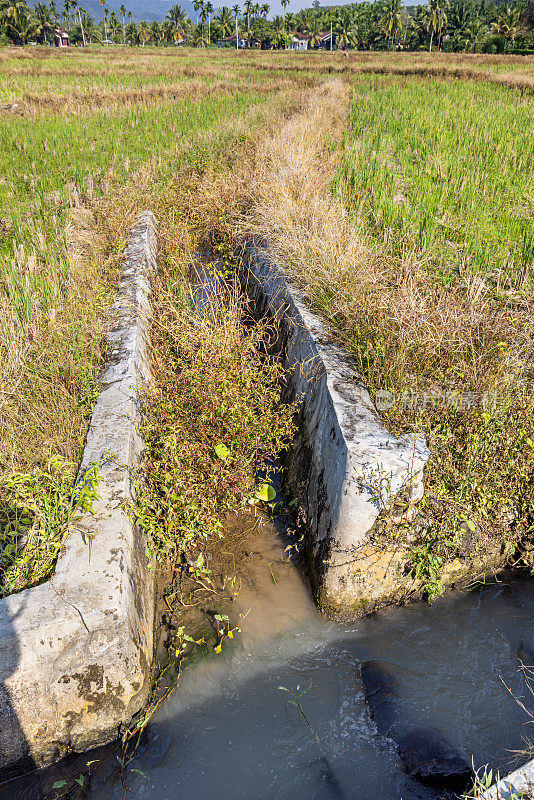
(449, 25)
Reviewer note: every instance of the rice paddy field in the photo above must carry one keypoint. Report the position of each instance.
(398, 188)
(450, 171)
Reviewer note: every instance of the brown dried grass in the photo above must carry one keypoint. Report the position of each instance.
(83, 103)
(372, 292)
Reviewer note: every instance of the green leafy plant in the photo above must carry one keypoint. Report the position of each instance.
(225, 630)
(427, 561)
(37, 510)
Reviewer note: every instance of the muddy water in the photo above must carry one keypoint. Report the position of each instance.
(229, 732)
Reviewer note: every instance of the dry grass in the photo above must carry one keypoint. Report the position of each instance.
(47, 387)
(110, 102)
(79, 72)
(363, 281)
(519, 74)
(409, 331)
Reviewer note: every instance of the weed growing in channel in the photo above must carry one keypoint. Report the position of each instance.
(212, 419)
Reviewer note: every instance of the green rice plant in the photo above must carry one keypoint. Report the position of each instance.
(447, 168)
(438, 178)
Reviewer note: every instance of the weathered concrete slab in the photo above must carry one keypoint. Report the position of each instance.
(76, 651)
(344, 467)
(518, 785)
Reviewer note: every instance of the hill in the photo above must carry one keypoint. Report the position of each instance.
(141, 9)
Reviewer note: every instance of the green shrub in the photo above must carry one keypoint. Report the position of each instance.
(493, 44)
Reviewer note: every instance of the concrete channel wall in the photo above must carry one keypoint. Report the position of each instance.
(518, 785)
(344, 467)
(76, 651)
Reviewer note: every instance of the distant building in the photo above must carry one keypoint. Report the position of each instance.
(61, 37)
(324, 40)
(229, 41)
(299, 41)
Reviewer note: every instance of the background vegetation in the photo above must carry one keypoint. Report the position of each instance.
(452, 25)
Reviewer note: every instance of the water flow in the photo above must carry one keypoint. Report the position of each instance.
(229, 731)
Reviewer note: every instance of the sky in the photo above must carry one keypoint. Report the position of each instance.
(275, 5)
(295, 5)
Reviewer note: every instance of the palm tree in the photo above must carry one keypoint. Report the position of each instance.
(345, 28)
(42, 15)
(74, 6)
(460, 16)
(103, 3)
(53, 13)
(235, 12)
(113, 24)
(391, 20)
(279, 31)
(224, 18)
(155, 32)
(144, 32)
(198, 4)
(132, 36)
(435, 19)
(441, 18)
(203, 16)
(66, 9)
(264, 10)
(303, 19)
(199, 39)
(291, 22)
(248, 6)
(284, 4)
(122, 11)
(19, 22)
(460, 23)
(179, 20)
(209, 12)
(314, 29)
(167, 31)
(507, 25)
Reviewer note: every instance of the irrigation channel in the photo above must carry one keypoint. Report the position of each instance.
(304, 708)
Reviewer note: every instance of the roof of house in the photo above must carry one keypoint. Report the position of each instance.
(299, 35)
(242, 38)
(61, 32)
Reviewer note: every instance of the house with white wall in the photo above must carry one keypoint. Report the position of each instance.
(299, 41)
